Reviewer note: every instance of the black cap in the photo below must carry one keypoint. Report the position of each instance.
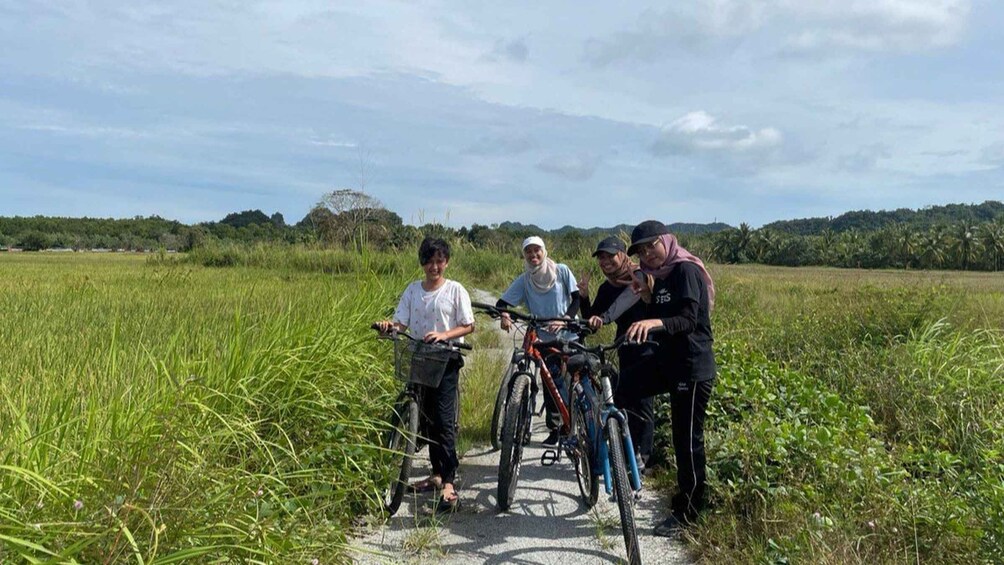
(645, 232)
(612, 245)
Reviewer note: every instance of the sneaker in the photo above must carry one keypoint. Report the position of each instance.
(552, 439)
(670, 527)
(640, 461)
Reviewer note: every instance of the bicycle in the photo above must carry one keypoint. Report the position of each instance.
(419, 365)
(576, 425)
(615, 452)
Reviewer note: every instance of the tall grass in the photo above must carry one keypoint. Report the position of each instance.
(171, 413)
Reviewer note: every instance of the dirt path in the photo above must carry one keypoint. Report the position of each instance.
(547, 523)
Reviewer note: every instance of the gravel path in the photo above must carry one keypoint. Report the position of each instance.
(547, 523)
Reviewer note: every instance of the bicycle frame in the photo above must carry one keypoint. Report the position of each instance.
(532, 349)
(608, 410)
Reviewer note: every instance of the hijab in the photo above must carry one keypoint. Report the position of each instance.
(543, 276)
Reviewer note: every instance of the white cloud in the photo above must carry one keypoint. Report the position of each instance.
(822, 27)
(514, 50)
(579, 167)
(503, 144)
(865, 158)
(698, 132)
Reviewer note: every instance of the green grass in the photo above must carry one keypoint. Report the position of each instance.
(166, 412)
(232, 414)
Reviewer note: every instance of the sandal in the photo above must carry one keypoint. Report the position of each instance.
(446, 506)
(425, 485)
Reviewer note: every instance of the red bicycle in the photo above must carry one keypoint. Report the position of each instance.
(575, 423)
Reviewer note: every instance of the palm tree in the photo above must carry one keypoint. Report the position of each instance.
(932, 247)
(964, 243)
(992, 238)
(905, 241)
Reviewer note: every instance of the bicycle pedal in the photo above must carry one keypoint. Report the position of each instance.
(550, 457)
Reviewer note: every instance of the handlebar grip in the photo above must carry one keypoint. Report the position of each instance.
(466, 346)
(483, 306)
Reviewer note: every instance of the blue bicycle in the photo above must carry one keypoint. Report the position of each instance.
(611, 446)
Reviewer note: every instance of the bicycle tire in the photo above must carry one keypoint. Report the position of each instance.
(585, 475)
(400, 442)
(498, 414)
(517, 418)
(622, 490)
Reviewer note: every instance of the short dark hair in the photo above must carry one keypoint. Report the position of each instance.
(432, 246)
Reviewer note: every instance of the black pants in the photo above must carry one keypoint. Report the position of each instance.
(550, 406)
(689, 404)
(641, 418)
(439, 409)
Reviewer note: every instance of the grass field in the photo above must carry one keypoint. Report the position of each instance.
(225, 407)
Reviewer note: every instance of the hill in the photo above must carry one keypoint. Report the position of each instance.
(678, 227)
(867, 220)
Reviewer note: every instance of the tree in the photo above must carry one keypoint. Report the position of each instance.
(35, 241)
(992, 238)
(349, 210)
(245, 218)
(964, 243)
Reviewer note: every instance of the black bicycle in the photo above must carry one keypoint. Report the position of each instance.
(419, 365)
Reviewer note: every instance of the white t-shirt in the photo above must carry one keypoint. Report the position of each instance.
(439, 310)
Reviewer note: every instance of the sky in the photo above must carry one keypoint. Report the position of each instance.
(553, 113)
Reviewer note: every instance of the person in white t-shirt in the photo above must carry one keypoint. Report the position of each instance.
(437, 309)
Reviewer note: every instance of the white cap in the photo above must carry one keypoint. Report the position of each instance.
(533, 240)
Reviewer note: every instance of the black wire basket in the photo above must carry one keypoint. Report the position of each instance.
(421, 363)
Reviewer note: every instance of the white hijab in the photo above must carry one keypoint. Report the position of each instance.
(543, 276)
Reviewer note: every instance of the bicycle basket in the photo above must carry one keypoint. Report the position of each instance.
(421, 363)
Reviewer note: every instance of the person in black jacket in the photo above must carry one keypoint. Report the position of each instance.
(678, 317)
(615, 302)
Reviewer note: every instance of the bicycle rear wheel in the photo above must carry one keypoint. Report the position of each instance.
(622, 489)
(517, 420)
(582, 456)
(400, 444)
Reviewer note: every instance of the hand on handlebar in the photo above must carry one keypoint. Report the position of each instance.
(505, 321)
(639, 330)
(435, 337)
(555, 326)
(384, 326)
(595, 323)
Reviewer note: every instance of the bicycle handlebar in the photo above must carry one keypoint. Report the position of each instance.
(575, 326)
(449, 343)
(617, 343)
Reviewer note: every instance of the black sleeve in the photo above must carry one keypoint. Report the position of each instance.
(573, 308)
(585, 308)
(683, 323)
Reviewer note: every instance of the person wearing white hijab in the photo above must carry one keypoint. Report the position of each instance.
(549, 290)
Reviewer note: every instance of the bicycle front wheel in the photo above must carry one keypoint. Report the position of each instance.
(622, 490)
(498, 414)
(582, 456)
(400, 444)
(517, 422)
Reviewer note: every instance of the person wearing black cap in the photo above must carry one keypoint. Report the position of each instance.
(616, 303)
(682, 297)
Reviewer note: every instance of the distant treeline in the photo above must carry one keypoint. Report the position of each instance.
(956, 236)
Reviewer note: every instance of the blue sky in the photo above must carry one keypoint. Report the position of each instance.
(550, 113)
